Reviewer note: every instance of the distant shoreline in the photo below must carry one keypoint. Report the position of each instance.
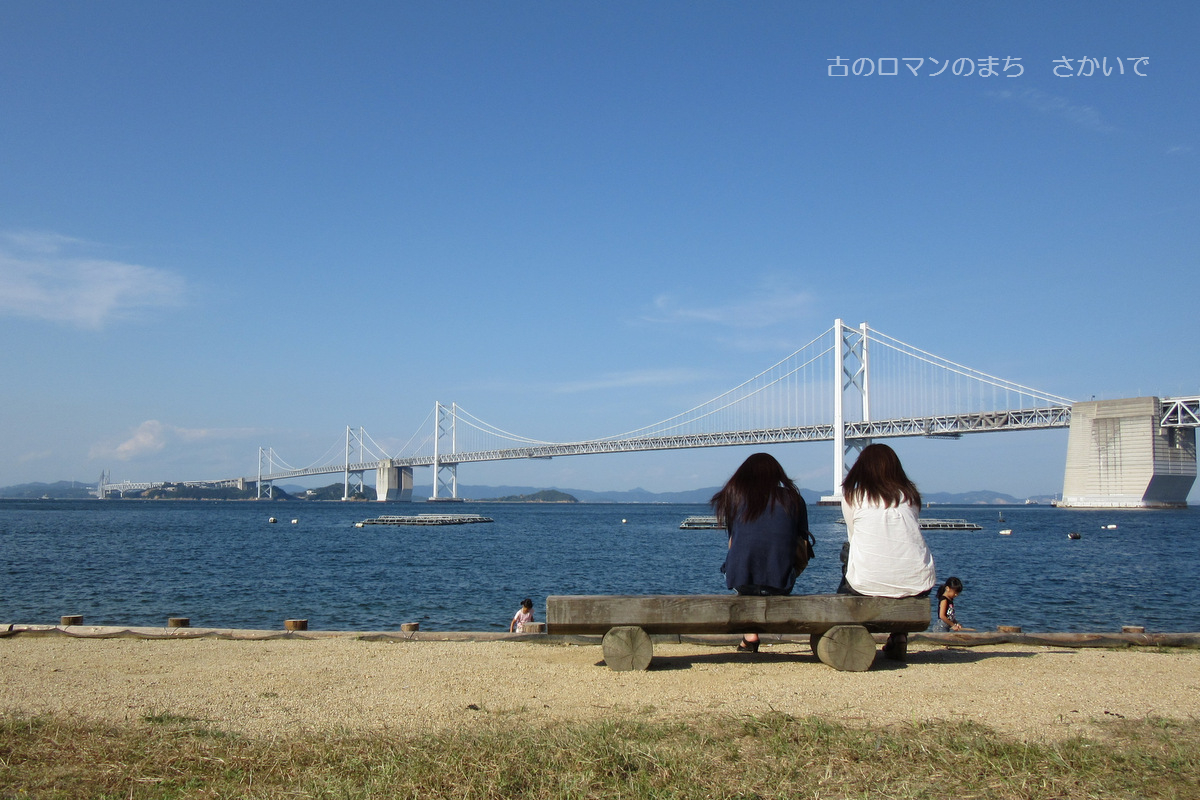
(68, 490)
(361, 501)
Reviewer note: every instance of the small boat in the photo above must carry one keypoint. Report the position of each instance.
(1000, 518)
(1074, 535)
(1006, 532)
(700, 524)
(949, 525)
(1110, 527)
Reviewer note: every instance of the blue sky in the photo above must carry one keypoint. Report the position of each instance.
(226, 225)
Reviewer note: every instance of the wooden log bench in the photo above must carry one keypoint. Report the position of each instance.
(839, 625)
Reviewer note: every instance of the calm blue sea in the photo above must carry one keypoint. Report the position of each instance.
(224, 565)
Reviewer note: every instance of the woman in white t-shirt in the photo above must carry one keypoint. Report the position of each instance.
(887, 555)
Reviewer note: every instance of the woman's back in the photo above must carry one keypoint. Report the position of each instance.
(888, 554)
(762, 552)
(765, 516)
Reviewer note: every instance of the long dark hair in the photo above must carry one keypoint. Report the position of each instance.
(758, 483)
(877, 475)
(951, 583)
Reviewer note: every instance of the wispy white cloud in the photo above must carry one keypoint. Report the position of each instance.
(45, 243)
(150, 437)
(1179, 150)
(153, 436)
(1055, 105)
(770, 304)
(635, 378)
(38, 455)
(55, 278)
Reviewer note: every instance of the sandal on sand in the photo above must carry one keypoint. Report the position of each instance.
(747, 647)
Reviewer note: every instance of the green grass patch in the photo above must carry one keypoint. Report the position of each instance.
(770, 756)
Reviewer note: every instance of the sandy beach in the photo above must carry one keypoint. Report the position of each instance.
(281, 686)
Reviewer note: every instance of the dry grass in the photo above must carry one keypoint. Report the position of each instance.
(773, 756)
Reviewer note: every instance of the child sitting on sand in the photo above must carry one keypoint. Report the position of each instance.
(949, 590)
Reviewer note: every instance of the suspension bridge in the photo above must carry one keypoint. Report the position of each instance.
(848, 386)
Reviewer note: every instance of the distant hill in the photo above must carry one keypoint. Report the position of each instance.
(691, 496)
(176, 491)
(702, 496)
(544, 496)
(980, 497)
(333, 491)
(587, 495)
(60, 490)
(72, 490)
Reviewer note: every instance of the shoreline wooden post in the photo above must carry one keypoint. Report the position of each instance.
(178, 622)
(295, 624)
(410, 627)
(74, 619)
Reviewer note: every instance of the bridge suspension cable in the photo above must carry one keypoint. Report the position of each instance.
(373, 449)
(798, 409)
(918, 383)
(428, 438)
(487, 428)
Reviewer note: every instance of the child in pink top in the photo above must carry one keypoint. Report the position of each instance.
(524, 614)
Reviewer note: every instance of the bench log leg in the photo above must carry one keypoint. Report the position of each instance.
(627, 647)
(848, 648)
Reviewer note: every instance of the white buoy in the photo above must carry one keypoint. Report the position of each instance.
(295, 521)
(270, 519)
(622, 522)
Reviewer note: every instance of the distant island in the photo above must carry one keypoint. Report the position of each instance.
(61, 490)
(544, 496)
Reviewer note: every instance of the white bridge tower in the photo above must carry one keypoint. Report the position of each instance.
(851, 375)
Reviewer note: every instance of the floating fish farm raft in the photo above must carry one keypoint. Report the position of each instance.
(425, 519)
(700, 524)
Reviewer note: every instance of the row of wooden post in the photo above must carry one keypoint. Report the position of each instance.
(1017, 629)
(530, 627)
(184, 622)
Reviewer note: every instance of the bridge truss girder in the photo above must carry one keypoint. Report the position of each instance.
(1180, 412)
(957, 424)
(949, 425)
(931, 427)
